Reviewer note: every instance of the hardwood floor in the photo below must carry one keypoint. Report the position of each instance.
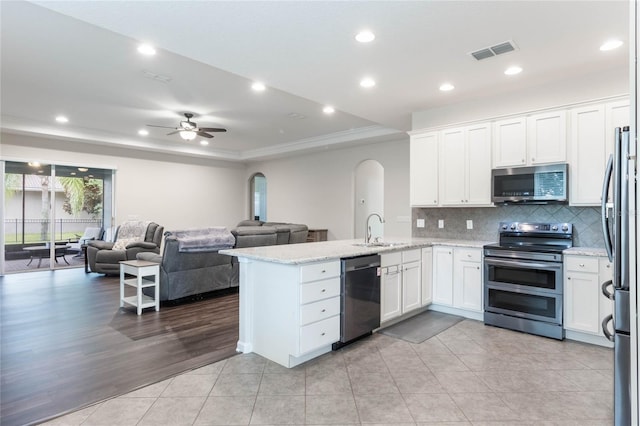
(65, 343)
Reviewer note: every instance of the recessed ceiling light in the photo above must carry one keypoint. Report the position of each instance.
(610, 45)
(328, 109)
(367, 82)
(513, 70)
(34, 164)
(72, 173)
(445, 87)
(143, 132)
(365, 36)
(62, 119)
(258, 86)
(83, 169)
(147, 49)
(204, 143)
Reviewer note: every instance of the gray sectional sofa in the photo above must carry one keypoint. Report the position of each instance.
(186, 274)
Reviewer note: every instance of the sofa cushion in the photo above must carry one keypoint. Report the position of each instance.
(249, 222)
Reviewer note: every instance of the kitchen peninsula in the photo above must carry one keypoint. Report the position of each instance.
(290, 294)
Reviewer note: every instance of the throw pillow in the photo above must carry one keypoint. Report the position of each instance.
(122, 243)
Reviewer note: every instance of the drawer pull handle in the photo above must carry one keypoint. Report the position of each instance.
(323, 271)
(322, 334)
(324, 310)
(582, 265)
(323, 290)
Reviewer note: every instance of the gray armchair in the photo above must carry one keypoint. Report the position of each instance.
(104, 257)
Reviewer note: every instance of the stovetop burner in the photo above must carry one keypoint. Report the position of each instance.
(532, 238)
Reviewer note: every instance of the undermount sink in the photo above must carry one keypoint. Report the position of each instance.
(377, 244)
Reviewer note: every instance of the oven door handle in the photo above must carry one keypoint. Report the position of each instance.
(511, 264)
(605, 329)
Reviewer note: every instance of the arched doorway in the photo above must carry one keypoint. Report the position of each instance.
(258, 197)
(368, 198)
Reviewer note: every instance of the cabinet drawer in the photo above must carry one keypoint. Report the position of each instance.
(317, 311)
(471, 255)
(388, 259)
(319, 290)
(411, 256)
(319, 271)
(318, 334)
(581, 264)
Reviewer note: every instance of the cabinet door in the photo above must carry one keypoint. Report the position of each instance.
(427, 276)
(478, 165)
(588, 155)
(547, 138)
(391, 296)
(443, 276)
(411, 296)
(452, 167)
(423, 170)
(510, 143)
(581, 302)
(617, 114)
(467, 279)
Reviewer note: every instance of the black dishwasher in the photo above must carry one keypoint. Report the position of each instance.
(360, 297)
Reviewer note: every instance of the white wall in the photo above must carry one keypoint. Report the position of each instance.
(172, 191)
(317, 189)
(612, 82)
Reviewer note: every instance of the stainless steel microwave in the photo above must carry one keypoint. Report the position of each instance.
(538, 184)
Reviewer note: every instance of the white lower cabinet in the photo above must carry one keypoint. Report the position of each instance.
(584, 304)
(457, 281)
(427, 276)
(443, 276)
(401, 283)
(467, 279)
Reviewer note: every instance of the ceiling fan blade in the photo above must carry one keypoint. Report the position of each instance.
(212, 129)
(173, 133)
(203, 134)
(164, 127)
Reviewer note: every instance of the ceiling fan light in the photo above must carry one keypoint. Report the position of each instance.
(188, 135)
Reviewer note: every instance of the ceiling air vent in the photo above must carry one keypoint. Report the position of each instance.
(498, 49)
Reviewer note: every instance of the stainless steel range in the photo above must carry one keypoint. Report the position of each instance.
(523, 277)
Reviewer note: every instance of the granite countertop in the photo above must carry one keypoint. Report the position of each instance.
(333, 250)
(585, 251)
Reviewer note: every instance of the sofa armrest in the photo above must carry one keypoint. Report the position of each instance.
(100, 245)
(149, 257)
(142, 245)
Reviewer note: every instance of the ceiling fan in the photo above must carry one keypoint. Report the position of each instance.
(188, 129)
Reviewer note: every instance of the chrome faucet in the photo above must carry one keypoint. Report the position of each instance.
(367, 230)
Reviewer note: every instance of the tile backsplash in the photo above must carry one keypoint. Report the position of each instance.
(587, 231)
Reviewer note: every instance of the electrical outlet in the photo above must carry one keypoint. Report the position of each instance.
(420, 223)
(440, 223)
(469, 224)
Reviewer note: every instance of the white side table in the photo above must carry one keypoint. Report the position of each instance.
(147, 274)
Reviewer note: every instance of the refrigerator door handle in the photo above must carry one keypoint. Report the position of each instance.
(607, 294)
(608, 242)
(605, 329)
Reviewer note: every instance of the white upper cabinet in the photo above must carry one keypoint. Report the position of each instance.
(423, 170)
(592, 135)
(526, 141)
(465, 166)
(588, 155)
(547, 138)
(510, 143)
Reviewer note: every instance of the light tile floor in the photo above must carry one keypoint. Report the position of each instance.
(470, 374)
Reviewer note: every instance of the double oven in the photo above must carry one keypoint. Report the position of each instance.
(523, 277)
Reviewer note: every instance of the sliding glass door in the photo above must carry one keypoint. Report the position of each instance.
(49, 213)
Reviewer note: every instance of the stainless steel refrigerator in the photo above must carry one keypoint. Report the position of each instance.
(620, 178)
